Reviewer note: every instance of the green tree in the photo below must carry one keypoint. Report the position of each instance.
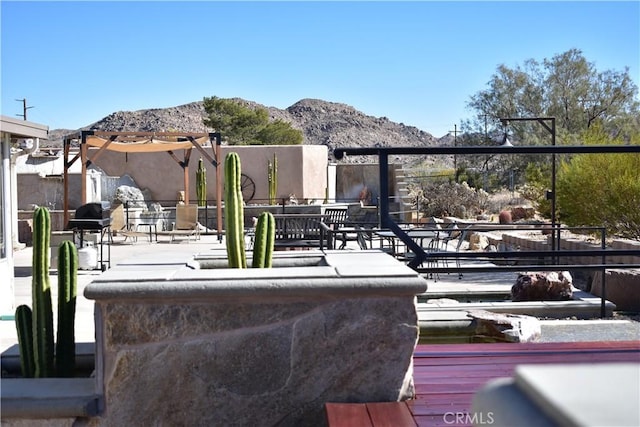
(601, 189)
(567, 87)
(279, 133)
(242, 125)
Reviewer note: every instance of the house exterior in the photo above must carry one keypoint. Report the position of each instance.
(17, 138)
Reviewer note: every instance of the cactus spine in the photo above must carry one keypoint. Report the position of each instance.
(41, 295)
(234, 212)
(67, 290)
(264, 241)
(272, 176)
(201, 183)
(35, 325)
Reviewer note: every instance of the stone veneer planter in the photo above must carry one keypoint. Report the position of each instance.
(199, 344)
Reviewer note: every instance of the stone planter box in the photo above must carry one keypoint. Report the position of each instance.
(190, 342)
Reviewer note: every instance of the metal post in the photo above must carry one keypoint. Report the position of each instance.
(553, 183)
(603, 293)
(383, 166)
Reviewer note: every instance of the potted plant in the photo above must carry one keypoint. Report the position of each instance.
(51, 384)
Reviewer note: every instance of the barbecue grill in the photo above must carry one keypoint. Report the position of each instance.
(94, 217)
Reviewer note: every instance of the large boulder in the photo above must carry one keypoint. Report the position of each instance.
(543, 286)
(504, 327)
(132, 195)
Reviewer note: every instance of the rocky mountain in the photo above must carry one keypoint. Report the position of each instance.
(322, 122)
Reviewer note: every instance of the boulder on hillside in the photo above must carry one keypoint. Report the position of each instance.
(543, 286)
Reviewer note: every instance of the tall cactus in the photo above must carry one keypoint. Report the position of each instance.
(41, 295)
(67, 293)
(272, 176)
(234, 212)
(35, 325)
(264, 241)
(201, 183)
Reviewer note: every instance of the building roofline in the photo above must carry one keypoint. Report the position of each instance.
(23, 128)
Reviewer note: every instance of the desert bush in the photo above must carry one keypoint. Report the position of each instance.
(601, 189)
(448, 199)
(538, 181)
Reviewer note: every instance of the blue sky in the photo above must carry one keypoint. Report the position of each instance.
(416, 62)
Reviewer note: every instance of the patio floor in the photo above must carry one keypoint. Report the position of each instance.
(447, 376)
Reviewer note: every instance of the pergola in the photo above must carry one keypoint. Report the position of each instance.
(144, 142)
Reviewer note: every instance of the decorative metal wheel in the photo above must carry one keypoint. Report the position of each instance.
(248, 187)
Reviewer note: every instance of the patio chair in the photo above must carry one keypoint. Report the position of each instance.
(186, 224)
(462, 236)
(362, 235)
(119, 227)
(336, 219)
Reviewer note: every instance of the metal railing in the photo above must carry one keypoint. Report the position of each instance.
(423, 257)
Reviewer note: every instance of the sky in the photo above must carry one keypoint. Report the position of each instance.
(416, 63)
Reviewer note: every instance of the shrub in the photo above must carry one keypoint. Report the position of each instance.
(447, 198)
(601, 189)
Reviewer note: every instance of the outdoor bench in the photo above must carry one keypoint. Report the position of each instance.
(298, 231)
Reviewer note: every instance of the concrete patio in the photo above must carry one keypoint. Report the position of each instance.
(486, 283)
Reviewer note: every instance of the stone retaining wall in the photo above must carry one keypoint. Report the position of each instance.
(574, 244)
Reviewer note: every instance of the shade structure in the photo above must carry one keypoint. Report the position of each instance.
(208, 144)
(146, 144)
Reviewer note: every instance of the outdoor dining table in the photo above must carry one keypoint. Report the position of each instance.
(418, 235)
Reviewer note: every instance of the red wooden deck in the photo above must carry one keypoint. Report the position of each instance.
(447, 376)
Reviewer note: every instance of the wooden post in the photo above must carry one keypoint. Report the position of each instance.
(185, 168)
(83, 179)
(65, 181)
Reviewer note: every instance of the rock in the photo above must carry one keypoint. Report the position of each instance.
(505, 327)
(519, 213)
(132, 195)
(155, 207)
(622, 288)
(478, 241)
(543, 286)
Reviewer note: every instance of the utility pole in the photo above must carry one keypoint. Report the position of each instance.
(24, 108)
(455, 143)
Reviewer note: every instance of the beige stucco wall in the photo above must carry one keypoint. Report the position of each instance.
(302, 171)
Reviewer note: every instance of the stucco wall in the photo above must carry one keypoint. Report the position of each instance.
(301, 171)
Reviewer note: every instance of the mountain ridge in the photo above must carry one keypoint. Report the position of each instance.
(333, 124)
